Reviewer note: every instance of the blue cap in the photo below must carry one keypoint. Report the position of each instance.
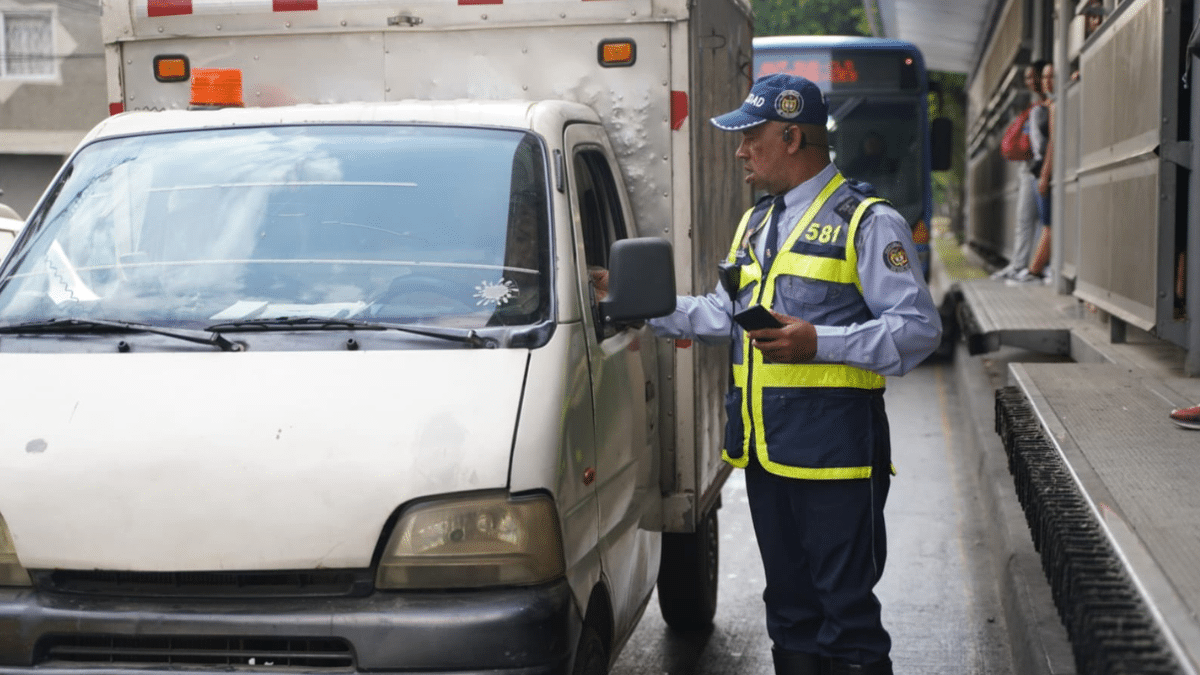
(780, 97)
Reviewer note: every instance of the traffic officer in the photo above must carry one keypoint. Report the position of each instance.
(806, 417)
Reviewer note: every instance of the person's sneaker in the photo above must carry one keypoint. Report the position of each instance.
(1025, 277)
(1004, 273)
(1188, 418)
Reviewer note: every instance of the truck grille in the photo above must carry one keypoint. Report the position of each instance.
(304, 583)
(165, 651)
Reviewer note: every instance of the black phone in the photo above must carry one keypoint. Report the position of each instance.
(755, 317)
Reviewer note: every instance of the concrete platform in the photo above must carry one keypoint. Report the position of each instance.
(1109, 486)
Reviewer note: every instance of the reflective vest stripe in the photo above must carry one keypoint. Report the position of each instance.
(815, 375)
(835, 473)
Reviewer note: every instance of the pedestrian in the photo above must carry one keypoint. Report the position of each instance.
(1041, 136)
(1093, 13)
(806, 415)
(1025, 232)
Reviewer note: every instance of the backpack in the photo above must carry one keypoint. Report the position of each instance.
(1015, 145)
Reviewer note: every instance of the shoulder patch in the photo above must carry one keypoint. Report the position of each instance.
(895, 257)
(846, 207)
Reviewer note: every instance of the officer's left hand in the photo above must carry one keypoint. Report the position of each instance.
(796, 342)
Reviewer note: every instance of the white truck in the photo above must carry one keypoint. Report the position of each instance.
(305, 371)
(10, 226)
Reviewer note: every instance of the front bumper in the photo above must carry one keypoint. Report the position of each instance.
(523, 631)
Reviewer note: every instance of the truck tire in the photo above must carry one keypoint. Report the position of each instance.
(687, 576)
(591, 658)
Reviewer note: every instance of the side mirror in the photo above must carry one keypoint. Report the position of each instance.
(641, 280)
(941, 143)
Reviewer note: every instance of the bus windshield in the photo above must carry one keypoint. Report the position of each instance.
(878, 117)
(879, 142)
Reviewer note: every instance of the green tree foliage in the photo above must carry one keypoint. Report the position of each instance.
(948, 185)
(810, 17)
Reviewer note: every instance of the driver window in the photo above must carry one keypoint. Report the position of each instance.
(600, 214)
(599, 206)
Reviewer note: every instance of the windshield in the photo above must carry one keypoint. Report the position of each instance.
(390, 224)
(881, 142)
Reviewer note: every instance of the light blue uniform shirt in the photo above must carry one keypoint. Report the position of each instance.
(906, 328)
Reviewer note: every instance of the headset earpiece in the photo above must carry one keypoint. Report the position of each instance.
(787, 135)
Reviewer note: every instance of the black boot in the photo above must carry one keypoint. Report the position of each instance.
(840, 667)
(795, 663)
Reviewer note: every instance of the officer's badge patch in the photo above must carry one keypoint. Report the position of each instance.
(788, 104)
(895, 257)
(846, 207)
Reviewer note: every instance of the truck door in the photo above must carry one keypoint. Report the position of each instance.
(623, 365)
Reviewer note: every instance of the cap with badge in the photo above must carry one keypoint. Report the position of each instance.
(779, 97)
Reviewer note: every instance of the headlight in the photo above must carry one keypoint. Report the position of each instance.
(473, 541)
(11, 572)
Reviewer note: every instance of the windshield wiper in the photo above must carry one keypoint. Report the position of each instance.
(204, 337)
(464, 336)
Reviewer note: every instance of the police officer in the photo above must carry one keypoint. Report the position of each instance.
(806, 417)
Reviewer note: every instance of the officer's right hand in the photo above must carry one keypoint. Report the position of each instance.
(795, 342)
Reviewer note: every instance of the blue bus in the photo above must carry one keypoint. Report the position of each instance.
(880, 133)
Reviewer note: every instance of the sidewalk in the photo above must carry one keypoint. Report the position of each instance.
(1094, 489)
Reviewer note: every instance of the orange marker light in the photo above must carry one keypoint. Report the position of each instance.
(171, 68)
(217, 87)
(615, 53)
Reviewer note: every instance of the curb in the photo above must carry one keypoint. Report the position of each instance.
(1037, 639)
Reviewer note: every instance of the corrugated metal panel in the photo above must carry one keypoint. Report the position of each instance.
(1118, 240)
(717, 207)
(999, 57)
(1069, 230)
(992, 180)
(992, 184)
(1121, 88)
(1122, 68)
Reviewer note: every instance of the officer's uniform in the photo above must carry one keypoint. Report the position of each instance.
(814, 437)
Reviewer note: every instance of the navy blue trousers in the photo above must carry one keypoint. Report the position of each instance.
(823, 545)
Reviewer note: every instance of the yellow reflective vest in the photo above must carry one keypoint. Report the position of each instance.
(810, 421)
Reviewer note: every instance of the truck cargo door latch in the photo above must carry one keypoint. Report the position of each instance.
(405, 20)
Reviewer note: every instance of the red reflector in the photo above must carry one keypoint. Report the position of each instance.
(168, 7)
(293, 5)
(116, 108)
(679, 109)
(683, 344)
